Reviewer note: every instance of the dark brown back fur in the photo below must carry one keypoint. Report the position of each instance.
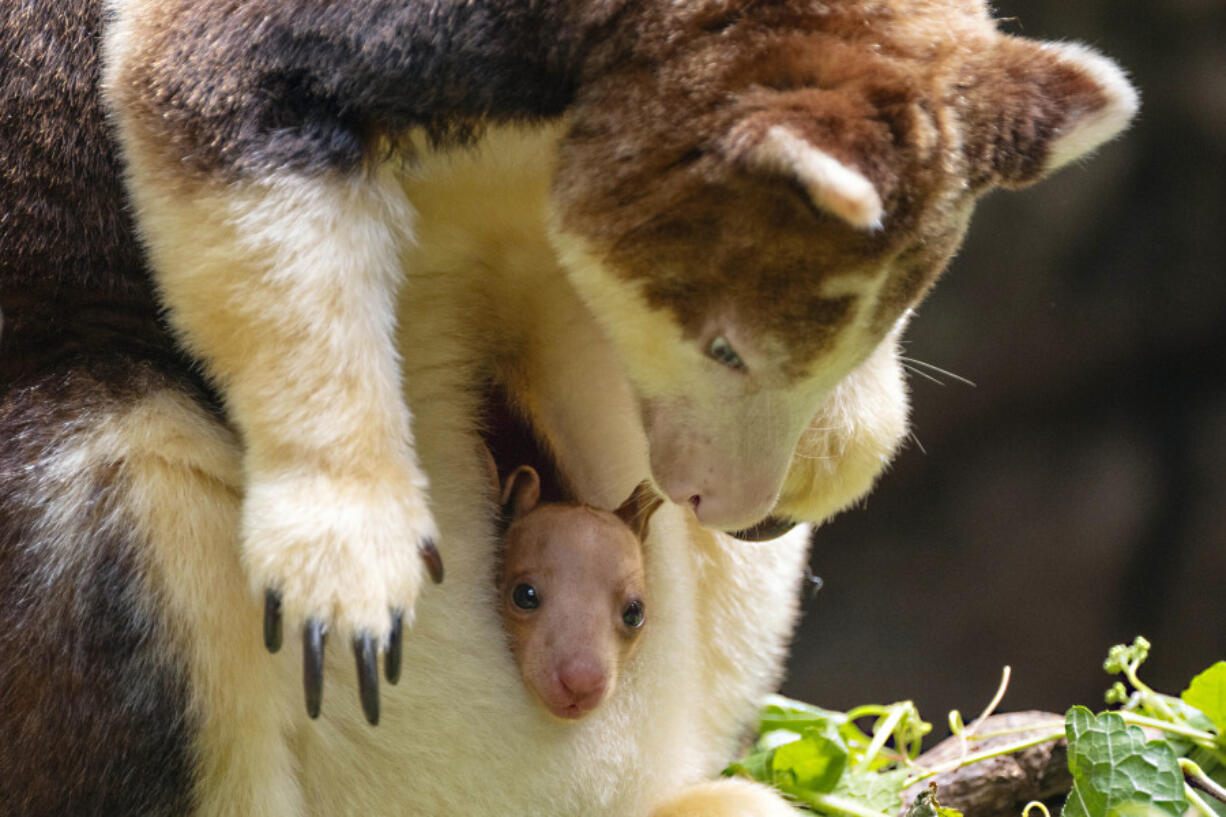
(244, 89)
(93, 702)
(72, 277)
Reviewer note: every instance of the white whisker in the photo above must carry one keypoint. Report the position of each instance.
(923, 374)
(937, 369)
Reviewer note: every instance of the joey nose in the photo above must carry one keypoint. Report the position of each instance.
(582, 678)
(584, 682)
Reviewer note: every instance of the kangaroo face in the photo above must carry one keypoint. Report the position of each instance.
(747, 241)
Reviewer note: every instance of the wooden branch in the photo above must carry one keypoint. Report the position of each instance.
(999, 786)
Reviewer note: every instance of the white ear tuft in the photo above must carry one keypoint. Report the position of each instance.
(1086, 132)
(833, 186)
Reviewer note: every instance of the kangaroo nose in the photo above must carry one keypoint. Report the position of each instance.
(684, 494)
(727, 511)
(724, 507)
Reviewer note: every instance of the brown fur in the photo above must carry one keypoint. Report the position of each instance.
(224, 89)
(72, 279)
(92, 685)
(927, 100)
(62, 219)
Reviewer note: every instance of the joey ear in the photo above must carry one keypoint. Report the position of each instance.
(522, 492)
(1042, 105)
(833, 186)
(637, 510)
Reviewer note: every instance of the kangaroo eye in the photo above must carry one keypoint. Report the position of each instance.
(632, 615)
(525, 597)
(721, 351)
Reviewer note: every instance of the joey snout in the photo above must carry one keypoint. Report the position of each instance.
(569, 642)
(572, 682)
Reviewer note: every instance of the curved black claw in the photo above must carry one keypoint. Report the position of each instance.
(367, 656)
(391, 661)
(313, 664)
(272, 620)
(434, 562)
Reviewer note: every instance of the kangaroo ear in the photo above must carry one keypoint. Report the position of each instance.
(832, 185)
(637, 510)
(1040, 106)
(521, 493)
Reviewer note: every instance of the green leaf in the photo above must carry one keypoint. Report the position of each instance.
(1207, 692)
(813, 763)
(1116, 773)
(1190, 714)
(756, 767)
(785, 713)
(881, 791)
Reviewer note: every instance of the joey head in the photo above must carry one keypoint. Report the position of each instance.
(572, 592)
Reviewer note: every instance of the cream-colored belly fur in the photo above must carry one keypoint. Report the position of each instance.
(460, 735)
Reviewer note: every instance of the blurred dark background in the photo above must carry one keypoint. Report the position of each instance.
(1076, 496)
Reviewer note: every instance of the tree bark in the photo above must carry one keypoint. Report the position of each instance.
(999, 786)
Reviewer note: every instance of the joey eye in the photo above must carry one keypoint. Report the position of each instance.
(721, 351)
(525, 597)
(632, 615)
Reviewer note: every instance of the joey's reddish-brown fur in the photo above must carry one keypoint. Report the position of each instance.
(572, 592)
